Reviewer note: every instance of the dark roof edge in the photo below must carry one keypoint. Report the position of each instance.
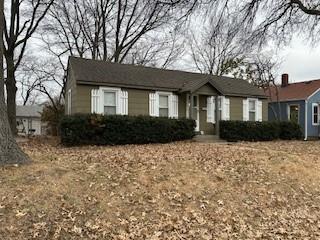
(246, 95)
(158, 88)
(133, 86)
(288, 100)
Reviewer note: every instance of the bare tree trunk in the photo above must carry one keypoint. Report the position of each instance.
(11, 93)
(10, 152)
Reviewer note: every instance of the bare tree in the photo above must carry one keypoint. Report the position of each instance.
(218, 47)
(108, 29)
(261, 72)
(125, 31)
(10, 152)
(21, 20)
(280, 19)
(158, 51)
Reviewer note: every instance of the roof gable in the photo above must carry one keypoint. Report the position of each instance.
(114, 74)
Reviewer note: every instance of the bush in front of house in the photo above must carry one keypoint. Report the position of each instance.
(93, 129)
(290, 130)
(259, 131)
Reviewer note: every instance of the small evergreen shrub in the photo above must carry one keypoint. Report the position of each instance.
(93, 129)
(290, 130)
(259, 131)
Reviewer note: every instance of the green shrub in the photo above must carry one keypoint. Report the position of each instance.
(259, 131)
(93, 129)
(290, 130)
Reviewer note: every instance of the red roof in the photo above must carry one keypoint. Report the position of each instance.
(294, 91)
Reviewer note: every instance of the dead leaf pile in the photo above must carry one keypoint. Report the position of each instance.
(165, 191)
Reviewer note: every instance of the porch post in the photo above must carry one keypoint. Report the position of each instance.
(218, 117)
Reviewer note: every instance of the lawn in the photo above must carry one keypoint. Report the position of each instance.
(173, 191)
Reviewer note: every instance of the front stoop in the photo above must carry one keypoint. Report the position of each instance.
(208, 139)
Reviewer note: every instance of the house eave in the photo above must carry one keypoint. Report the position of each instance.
(152, 88)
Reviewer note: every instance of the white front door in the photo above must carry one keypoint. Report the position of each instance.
(195, 109)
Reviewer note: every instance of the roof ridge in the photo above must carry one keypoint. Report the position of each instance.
(305, 82)
(149, 67)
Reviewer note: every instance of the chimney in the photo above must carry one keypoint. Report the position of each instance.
(284, 80)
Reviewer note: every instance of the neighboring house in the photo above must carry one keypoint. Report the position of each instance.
(111, 88)
(29, 120)
(297, 102)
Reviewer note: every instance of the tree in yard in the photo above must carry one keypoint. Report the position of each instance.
(219, 48)
(110, 30)
(10, 152)
(21, 20)
(280, 19)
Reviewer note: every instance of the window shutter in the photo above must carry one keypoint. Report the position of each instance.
(210, 110)
(69, 102)
(226, 109)
(124, 103)
(259, 111)
(245, 110)
(173, 106)
(153, 106)
(95, 101)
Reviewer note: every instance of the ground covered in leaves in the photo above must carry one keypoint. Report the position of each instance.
(174, 191)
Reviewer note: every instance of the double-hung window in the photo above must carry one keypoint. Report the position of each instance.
(163, 105)
(315, 114)
(110, 102)
(252, 110)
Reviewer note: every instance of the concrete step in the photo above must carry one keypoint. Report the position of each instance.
(208, 139)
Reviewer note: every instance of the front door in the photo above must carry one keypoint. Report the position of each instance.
(195, 109)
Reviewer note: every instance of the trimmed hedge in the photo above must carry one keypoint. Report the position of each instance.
(259, 131)
(93, 129)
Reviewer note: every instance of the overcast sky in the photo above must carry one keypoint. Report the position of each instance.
(300, 61)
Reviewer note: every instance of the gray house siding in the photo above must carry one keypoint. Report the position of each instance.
(313, 130)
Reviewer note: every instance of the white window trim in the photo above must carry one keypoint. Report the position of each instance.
(117, 91)
(255, 106)
(315, 105)
(169, 95)
(69, 102)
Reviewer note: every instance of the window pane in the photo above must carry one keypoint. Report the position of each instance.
(315, 118)
(163, 112)
(195, 101)
(252, 116)
(110, 110)
(109, 98)
(315, 109)
(252, 105)
(163, 101)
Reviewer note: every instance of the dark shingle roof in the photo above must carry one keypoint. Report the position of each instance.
(100, 72)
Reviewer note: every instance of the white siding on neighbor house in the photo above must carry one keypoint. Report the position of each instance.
(26, 124)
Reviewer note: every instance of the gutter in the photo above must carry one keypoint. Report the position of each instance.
(306, 121)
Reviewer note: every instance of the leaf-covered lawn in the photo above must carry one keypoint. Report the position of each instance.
(173, 191)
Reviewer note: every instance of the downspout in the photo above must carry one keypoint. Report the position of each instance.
(306, 121)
